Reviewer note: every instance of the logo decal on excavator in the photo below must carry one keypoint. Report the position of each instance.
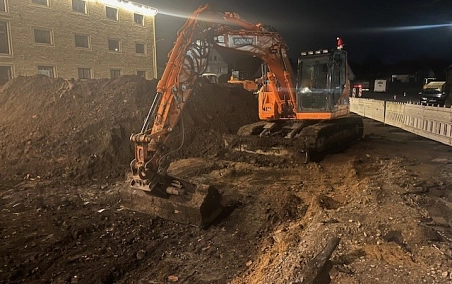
(241, 41)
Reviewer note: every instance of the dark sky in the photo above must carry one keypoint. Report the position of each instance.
(391, 30)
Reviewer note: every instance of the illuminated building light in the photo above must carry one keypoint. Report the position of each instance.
(130, 6)
(320, 51)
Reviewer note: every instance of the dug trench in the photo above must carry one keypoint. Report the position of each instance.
(65, 153)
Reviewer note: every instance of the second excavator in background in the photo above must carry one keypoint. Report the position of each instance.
(311, 106)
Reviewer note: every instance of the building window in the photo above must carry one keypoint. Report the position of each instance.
(46, 70)
(138, 19)
(115, 73)
(2, 6)
(5, 74)
(111, 13)
(43, 36)
(113, 45)
(141, 74)
(40, 2)
(4, 40)
(79, 6)
(82, 41)
(139, 48)
(84, 73)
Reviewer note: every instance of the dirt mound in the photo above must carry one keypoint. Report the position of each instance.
(79, 130)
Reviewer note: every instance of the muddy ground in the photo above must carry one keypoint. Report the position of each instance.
(64, 159)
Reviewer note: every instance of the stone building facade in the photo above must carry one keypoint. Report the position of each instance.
(77, 39)
(216, 65)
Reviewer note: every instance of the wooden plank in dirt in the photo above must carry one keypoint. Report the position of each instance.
(316, 265)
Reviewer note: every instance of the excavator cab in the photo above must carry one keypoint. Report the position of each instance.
(322, 80)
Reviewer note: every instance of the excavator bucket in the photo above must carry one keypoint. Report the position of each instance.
(176, 200)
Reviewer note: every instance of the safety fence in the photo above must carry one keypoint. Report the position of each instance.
(428, 121)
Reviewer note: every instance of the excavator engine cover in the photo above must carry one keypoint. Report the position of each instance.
(176, 200)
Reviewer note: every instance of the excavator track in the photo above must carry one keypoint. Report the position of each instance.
(299, 141)
(338, 133)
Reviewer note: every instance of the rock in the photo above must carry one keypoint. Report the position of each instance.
(141, 254)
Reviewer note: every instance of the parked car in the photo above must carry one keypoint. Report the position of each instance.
(433, 94)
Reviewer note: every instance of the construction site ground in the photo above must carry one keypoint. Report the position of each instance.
(64, 159)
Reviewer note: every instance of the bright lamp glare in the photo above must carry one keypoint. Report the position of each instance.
(421, 27)
(406, 28)
(130, 6)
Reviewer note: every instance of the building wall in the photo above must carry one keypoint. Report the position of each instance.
(403, 78)
(23, 17)
(216, 63)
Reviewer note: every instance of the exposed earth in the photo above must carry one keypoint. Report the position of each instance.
(64, 158)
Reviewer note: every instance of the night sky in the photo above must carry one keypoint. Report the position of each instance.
(390, 30)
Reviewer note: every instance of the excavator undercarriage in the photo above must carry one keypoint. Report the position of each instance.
(301, 141)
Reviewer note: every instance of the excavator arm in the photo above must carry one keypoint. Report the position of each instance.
(188, 59)
(173, 91)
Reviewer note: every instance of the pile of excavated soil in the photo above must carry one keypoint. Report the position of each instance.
(79, 130)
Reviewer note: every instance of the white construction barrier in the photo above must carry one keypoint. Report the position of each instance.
(374, 109)
(428, 121)
(395, 114)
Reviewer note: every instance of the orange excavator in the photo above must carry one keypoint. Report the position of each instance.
(309, 106)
